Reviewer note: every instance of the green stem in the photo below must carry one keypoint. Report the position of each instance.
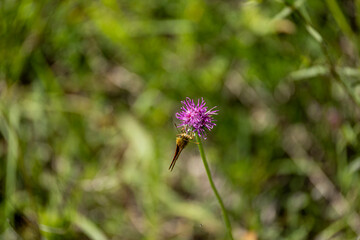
(226, 217)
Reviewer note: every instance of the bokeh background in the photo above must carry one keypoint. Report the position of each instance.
(88, 96)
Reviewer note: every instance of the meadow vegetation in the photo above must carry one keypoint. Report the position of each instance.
(88, 93)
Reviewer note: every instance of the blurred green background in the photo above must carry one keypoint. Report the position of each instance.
(88, 96)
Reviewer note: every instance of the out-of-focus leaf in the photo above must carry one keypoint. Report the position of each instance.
(88, 227)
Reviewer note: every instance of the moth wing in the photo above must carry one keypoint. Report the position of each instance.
(176, 156)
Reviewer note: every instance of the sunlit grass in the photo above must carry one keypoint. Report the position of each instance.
(88, 93)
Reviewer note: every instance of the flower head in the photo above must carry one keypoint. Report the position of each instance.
(196, 118)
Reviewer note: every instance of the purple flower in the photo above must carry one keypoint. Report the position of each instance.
(196, 118)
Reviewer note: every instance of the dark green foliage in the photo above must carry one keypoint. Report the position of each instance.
(88, 92)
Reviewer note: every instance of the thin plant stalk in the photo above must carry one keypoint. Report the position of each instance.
(324, 46)
(206, 165)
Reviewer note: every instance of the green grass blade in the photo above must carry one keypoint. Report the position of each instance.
(88, 227)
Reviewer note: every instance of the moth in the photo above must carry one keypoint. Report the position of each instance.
(182, 141)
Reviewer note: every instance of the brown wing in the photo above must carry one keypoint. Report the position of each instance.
(176, 156)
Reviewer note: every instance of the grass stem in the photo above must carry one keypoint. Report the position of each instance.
(206, 165)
